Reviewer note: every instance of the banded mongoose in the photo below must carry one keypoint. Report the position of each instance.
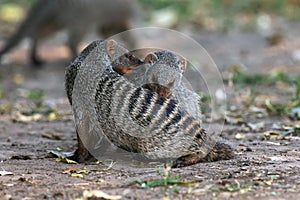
(83, 78)
(132, 118)
(164, 73)
(77, 18)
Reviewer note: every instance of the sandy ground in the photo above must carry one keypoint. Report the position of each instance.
(262, 169)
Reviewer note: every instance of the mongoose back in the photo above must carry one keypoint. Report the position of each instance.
(133, 118)
(77, 18)
(83, 79)
(163, 74)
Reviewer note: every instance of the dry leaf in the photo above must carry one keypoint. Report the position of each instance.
(5, 173)
(18, 117)
(52, 136)
(77, 175)
(52, 116)
(240, 136)
(234, 121)
(98, 194)
(65, 160)
(71, 170)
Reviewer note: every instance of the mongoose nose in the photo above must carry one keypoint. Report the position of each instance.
(140, 62)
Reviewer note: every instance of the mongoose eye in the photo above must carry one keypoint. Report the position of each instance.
(129, 57)
(199, 136)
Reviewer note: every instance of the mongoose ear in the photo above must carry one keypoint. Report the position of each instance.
(150, 58)
(111, 48)
(154, 79)
(171, 84)
(183, 64)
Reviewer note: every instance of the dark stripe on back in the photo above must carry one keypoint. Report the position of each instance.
(157, 106)
(142, 116)
(133, 100)
(187, 122)
(170, 108)
(176, 119)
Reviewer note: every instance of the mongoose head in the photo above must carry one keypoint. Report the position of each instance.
(165, 69)
(161, 90)
(167, 58)
(122, 61)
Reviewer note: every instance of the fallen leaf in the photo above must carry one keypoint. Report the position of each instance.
(60, 153)
(65, 160)
(234, 121)
(52, 136)
(52, 116)
(273, 135)
(77, 175)
(274, 143)
(5, 173)
(71, 170)
(83, 171)
(240, 136)
(62, 156)
(268, 182)
(18, 117)
(98, 194)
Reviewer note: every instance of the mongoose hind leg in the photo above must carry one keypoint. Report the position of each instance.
(82, 155)
(36, 61)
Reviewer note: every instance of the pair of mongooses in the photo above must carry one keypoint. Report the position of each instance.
(77, 18)
(135, 119)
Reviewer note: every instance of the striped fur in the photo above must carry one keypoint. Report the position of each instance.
(133, 118)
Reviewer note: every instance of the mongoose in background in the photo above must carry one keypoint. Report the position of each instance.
(77, 18)
(163, 74)
(132, 118)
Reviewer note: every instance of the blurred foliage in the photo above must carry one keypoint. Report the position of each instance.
(212, 14)
(14, 10)
(20, 2)
(221, 8)
(226, 13)
(183, 8)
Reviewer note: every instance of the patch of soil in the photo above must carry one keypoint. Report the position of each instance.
(262, 169)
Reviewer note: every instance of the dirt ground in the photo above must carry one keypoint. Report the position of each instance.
(265, 166)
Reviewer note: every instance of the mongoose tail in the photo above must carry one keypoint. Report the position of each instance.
(220, 151)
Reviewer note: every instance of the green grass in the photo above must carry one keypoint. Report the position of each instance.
(256, 81)
(265, 79)
(38, 95)
(167, 182)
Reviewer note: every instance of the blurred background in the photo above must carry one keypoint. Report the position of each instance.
(254, 34)
(244, 38)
